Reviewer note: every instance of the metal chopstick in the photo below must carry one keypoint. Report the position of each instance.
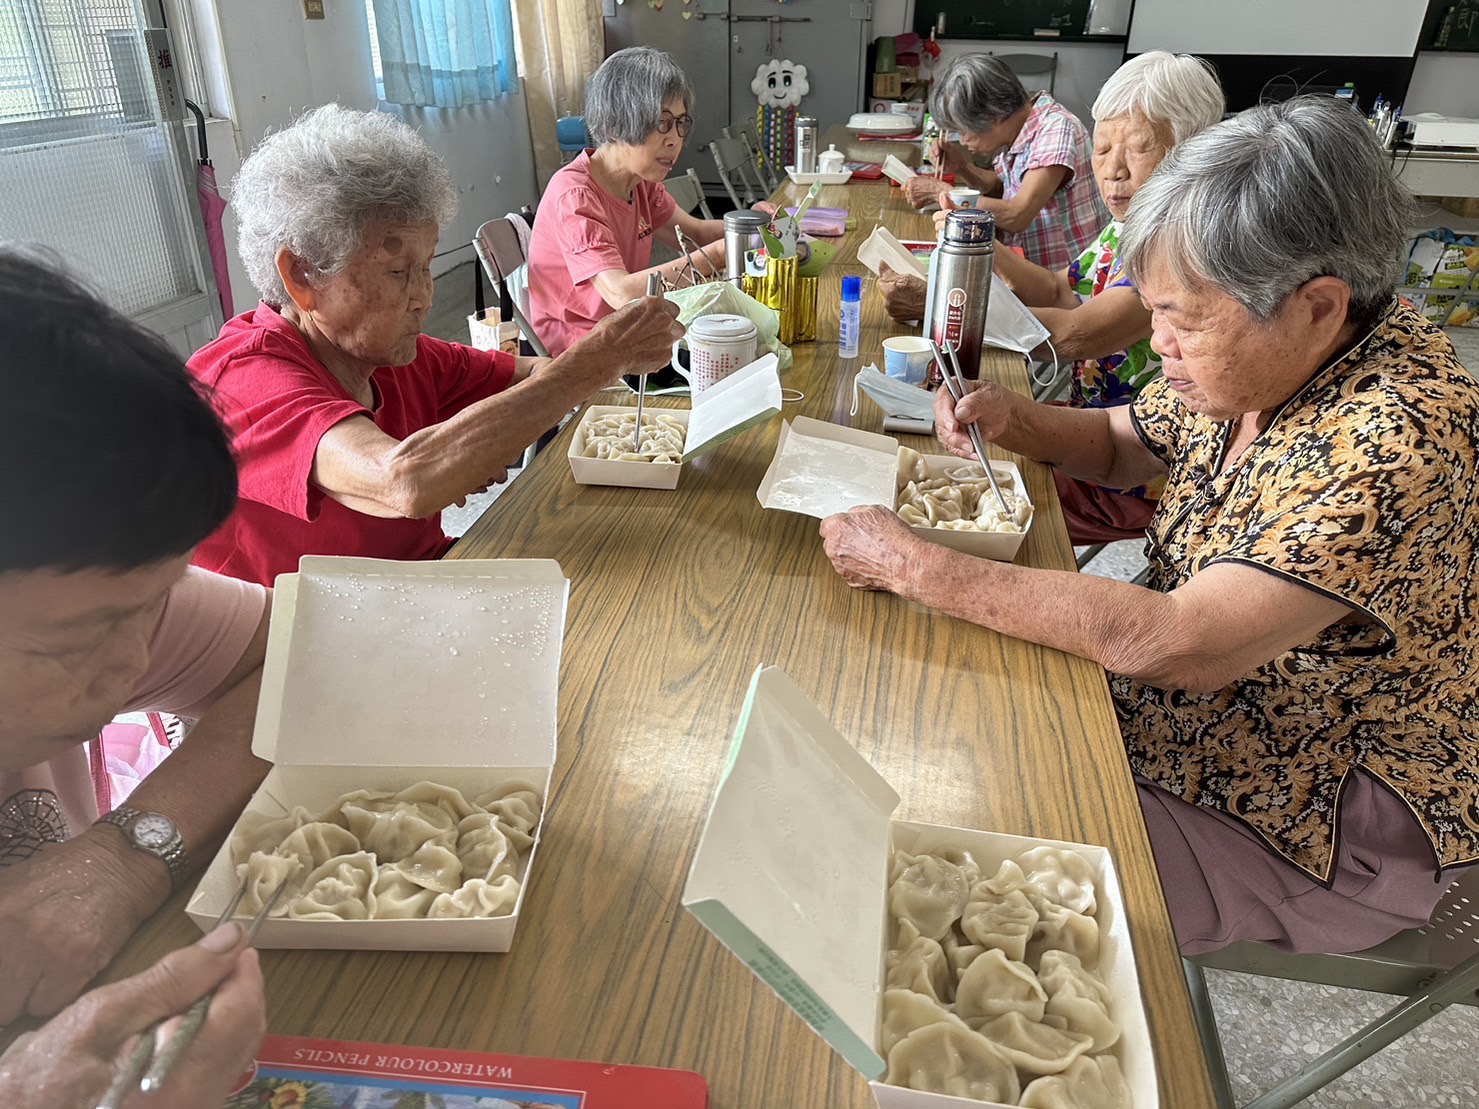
(713, 269)
(654, 288)
(133, 1075)
(956, 384)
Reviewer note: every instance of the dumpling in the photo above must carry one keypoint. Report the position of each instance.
(927, 891)
(444, 797)
(1077, 996)
(315, 843)
(1004, 922)
(397, 897)
(1008, 877)
(516, 804)
(918, 964)
(397, 833)
(905, 1011)
(256, 831)
(477, 898)
(993, 985)
(911, 466)
(1035, 1047)
(341, 889)
(434, 866)
(1061, 929)
(948, 1058)
(1095, 1083)
(263, 872)
(1063, 877)
(483, 847)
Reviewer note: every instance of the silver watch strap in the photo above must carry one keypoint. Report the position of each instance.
(172, 854)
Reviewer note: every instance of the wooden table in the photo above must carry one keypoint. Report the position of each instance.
(676, 597)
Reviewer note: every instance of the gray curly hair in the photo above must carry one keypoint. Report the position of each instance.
(624, 97)
(1261, 203)
(315, 186)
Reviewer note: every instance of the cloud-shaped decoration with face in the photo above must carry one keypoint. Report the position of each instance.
(780, 84)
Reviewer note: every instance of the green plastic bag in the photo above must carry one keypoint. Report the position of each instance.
(718, 298)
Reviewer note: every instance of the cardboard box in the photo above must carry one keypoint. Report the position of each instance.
(799, 892)
(821, 468)
(887, 85)
(1465, 206)
(380, 674)
(749, 396)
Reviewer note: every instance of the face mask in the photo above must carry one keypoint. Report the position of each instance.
(896, 398)
(1008, 322)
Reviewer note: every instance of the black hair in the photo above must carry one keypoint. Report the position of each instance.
(110, 455)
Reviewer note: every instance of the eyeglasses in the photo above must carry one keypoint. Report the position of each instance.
(667, 120)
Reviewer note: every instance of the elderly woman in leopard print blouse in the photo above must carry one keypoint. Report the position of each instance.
(1296, 685)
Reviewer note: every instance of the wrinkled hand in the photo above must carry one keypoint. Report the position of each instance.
(638, 337)
(946, 206)
(986, 404)
(870, 547)
(70, 1061)
(766, 206)
(64, 913)
(903, 293)
(922, 191)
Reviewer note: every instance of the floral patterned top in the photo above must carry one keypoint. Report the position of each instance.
(1364, 488)
(1117, 378)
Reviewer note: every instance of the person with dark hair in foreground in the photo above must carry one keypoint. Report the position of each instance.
(115, 468)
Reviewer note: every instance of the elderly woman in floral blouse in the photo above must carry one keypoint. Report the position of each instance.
(1296, 686)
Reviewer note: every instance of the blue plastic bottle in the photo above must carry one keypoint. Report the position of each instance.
(850, 317)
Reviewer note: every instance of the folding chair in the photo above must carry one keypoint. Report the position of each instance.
(1434, 966)
(688, 192)
(1028, 65)
(732, 157)
(501, 248)
(746, 132)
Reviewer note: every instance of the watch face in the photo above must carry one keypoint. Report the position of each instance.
(153, 829)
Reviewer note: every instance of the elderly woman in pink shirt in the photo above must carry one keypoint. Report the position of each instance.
(593, 234)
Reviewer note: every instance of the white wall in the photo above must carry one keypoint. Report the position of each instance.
(1444, 83)
(272, 64)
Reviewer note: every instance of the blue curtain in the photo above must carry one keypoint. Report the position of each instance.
(445, 53)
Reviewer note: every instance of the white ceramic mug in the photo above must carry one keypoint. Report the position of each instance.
(717, 346)
(965, 198)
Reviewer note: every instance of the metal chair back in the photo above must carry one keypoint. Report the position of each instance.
(747, 132)
(688, 193)
(500, 250)
(732, 159)
(1033, 65)
(1434, 966)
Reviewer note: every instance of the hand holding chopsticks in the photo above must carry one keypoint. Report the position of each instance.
(654, 289)
(956, 384)
(146, 1069)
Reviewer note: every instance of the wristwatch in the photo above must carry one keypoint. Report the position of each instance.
(156, 834)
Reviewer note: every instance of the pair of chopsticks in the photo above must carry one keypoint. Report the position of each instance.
(146, 1070)
(956, 384)
(654, 289)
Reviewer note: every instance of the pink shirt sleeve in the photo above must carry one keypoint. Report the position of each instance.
(1055, 144)
(207, 623)
(587, 242)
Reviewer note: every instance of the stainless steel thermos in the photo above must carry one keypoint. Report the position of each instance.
(806, 144)
(959, 288)
(740, 228)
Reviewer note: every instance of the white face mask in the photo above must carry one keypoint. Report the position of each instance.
(1009, 323)
(895, 397)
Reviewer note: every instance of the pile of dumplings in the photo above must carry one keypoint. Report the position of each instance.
(962, 500)
(991, 991)
(609, 437)
(423, 852)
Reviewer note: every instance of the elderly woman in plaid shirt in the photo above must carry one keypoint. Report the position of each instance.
(1041, 187)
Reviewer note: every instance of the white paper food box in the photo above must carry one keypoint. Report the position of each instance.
(750, 395)
(798, 891)
(822, 468)
(380, 674)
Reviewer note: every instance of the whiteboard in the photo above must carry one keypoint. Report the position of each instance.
(1323, 28)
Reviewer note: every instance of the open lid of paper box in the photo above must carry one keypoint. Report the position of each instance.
(794, 888)
(750, 395)
(376, 662)
(882, 246)
(821, 468)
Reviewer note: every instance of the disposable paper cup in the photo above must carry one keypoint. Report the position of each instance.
(965, 198)
(907, 358)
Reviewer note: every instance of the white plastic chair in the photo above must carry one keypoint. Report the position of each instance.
(1434, 966)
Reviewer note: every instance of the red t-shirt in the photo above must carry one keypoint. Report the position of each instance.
(582, 230)
(277, 400)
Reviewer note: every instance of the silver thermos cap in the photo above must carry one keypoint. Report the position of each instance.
(740, 228)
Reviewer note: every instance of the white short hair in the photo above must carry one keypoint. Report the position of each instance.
(1178, 90)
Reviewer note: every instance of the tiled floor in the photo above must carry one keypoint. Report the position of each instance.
(1270, 1028)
